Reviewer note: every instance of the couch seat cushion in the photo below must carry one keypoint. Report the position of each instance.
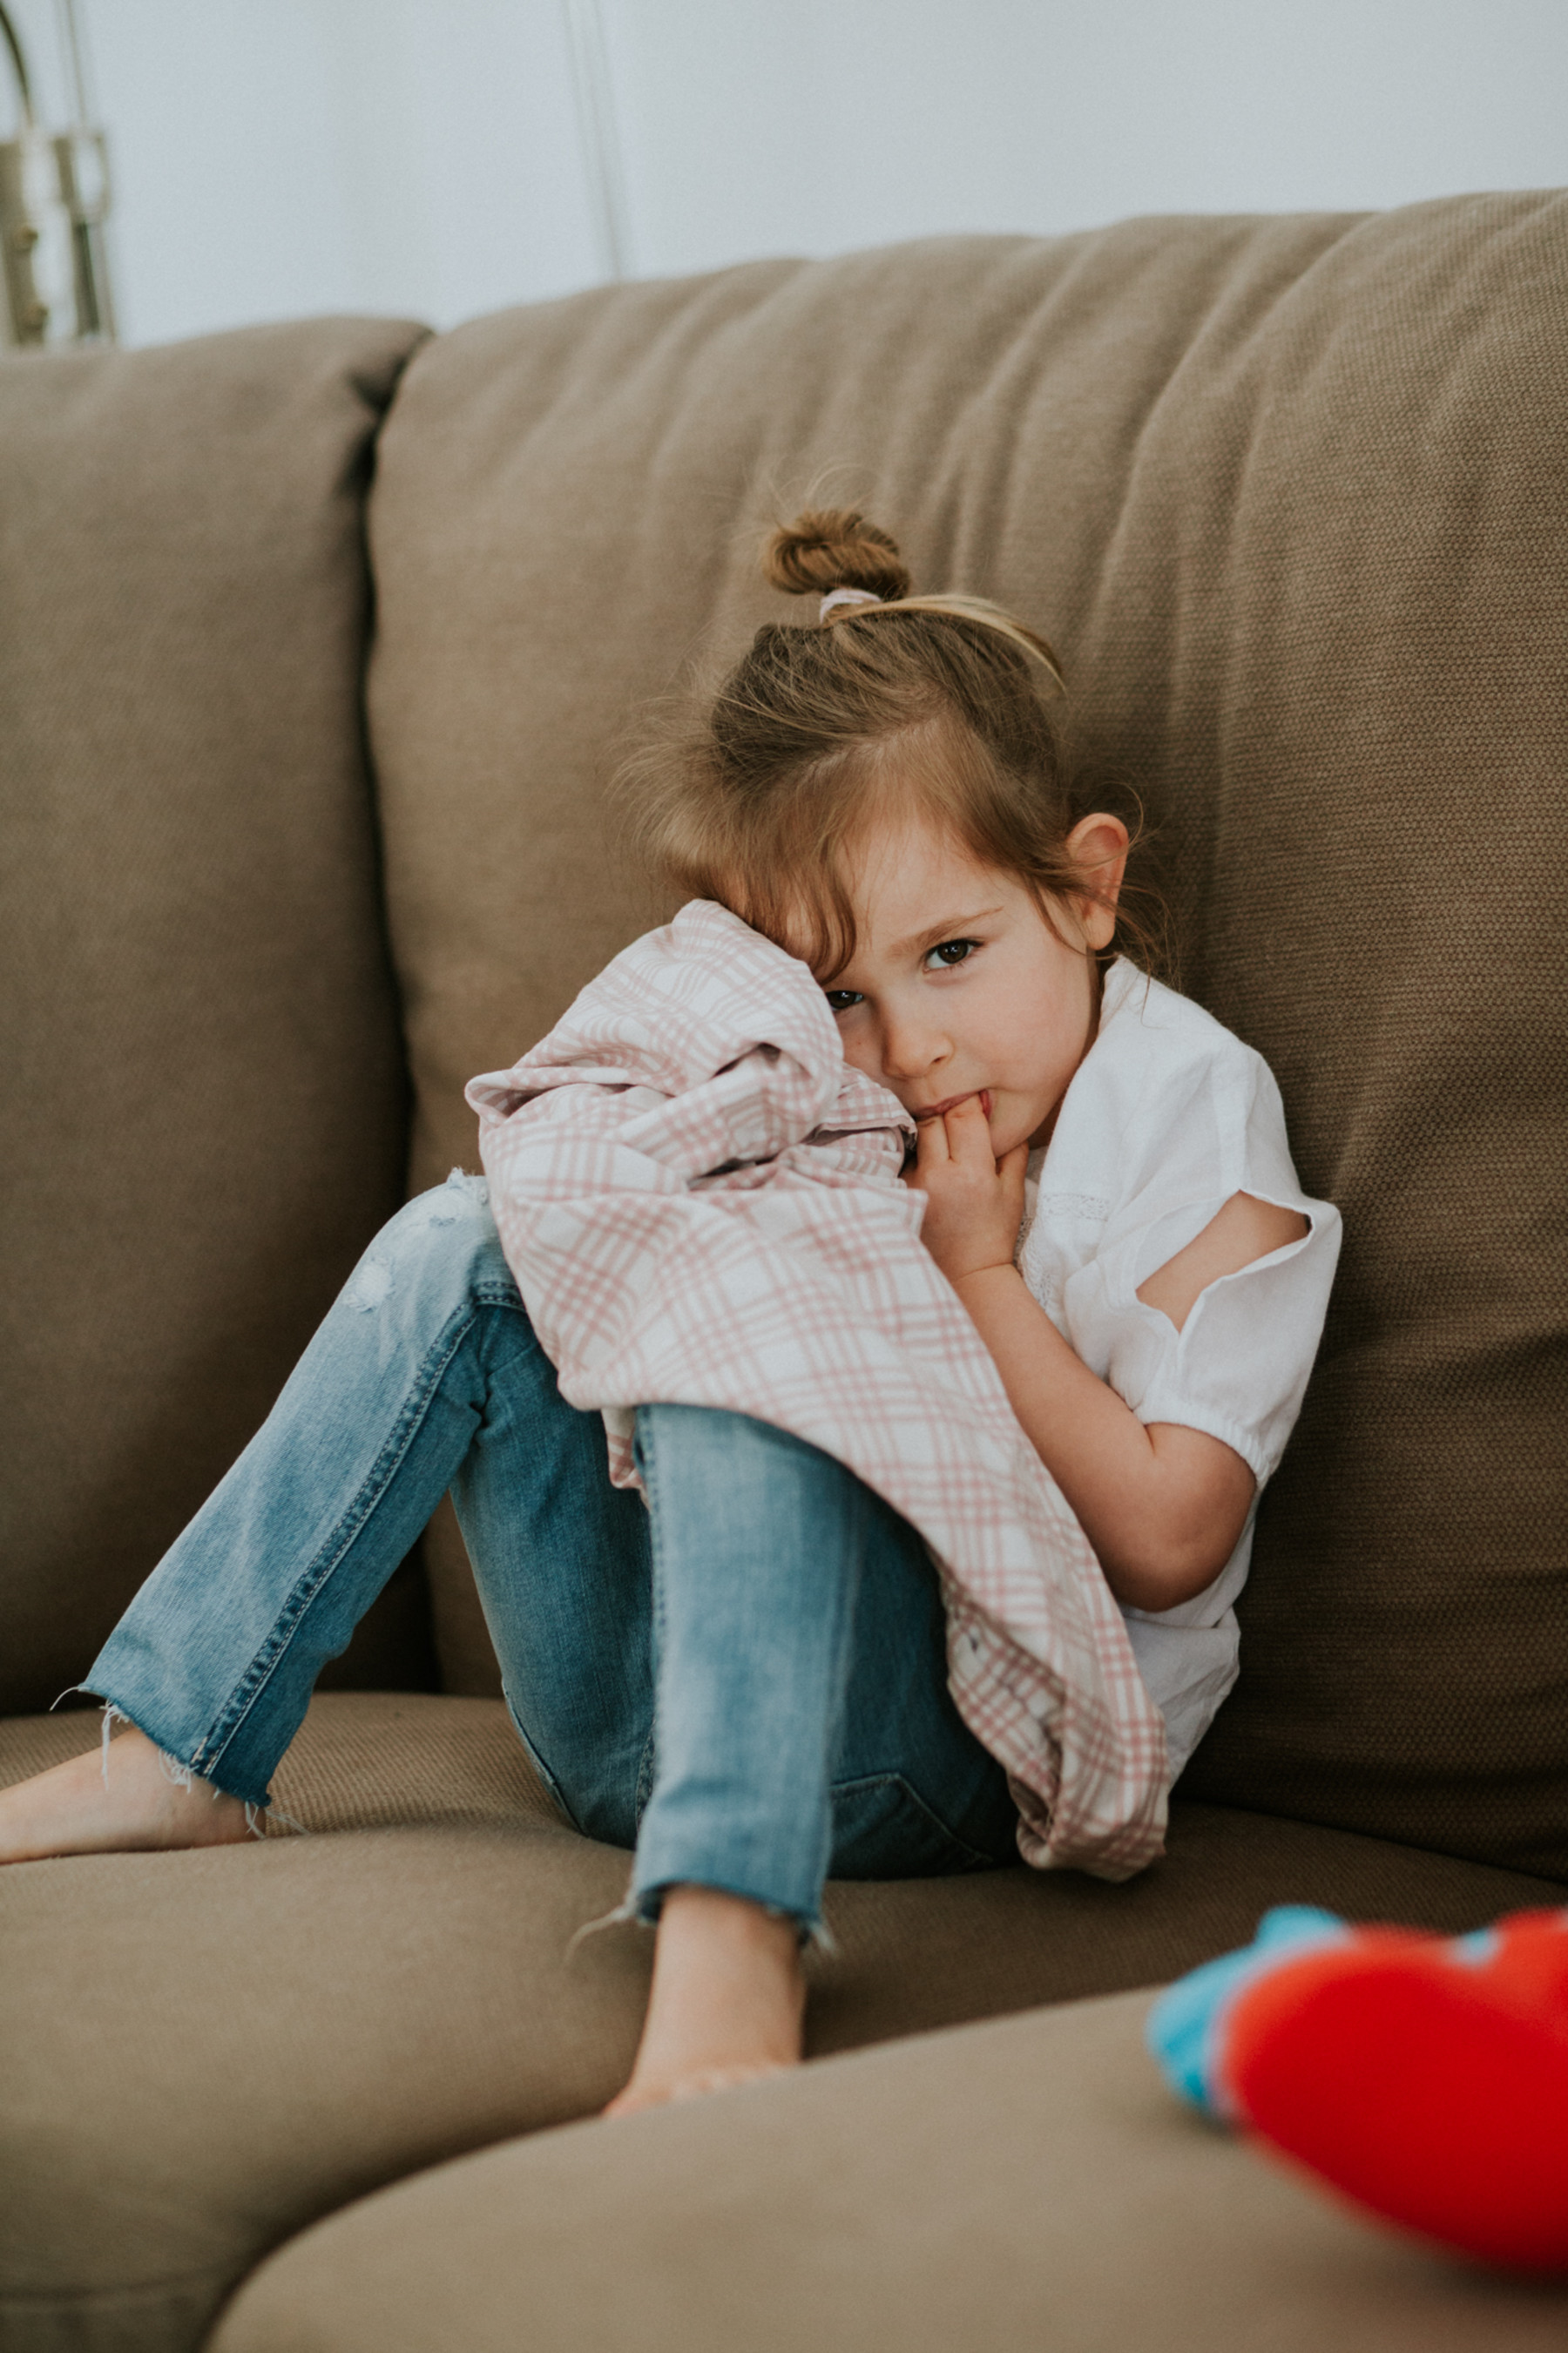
(1025, 2182)
(294, 2024)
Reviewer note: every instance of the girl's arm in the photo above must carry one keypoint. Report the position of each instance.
(1163, 1505)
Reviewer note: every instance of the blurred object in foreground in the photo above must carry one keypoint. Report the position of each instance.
(54, 199)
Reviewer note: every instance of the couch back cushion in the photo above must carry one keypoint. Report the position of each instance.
(205, 1110)
(1290, 496)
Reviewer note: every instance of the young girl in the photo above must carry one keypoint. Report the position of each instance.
(1108, 1190)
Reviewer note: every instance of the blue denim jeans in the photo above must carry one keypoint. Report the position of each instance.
(743, 1679)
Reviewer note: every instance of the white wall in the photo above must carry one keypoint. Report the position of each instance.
(817, 125)
(274, 157)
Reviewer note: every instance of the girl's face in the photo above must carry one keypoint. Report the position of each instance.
(959, 985)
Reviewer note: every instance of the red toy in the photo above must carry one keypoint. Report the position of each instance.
(1425, 2077)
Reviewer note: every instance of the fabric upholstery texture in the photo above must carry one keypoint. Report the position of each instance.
(1023, 2183)
(289, 2026)
(1288, 496)
(205, 1100)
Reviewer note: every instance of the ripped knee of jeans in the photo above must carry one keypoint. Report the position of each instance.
(369, 1286)
(375, 1279)
(441, 1209)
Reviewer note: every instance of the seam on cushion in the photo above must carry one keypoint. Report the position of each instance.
(220, 2283)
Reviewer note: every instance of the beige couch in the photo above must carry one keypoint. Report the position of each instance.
(1290, 496)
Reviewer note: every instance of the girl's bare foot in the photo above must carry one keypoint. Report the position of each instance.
(72, 1809)
(727, 1999)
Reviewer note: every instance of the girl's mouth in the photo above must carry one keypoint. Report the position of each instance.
(940, 1110)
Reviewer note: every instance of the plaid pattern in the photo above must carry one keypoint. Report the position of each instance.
(702, 1205)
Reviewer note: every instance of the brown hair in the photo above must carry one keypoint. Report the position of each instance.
(935, 704)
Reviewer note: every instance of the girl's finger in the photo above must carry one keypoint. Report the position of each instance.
(969, 1133)
(931, 1143)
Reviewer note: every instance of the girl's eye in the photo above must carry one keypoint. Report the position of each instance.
(839, 1000)
(950, 953)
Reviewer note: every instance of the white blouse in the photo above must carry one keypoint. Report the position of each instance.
(1166, 1117)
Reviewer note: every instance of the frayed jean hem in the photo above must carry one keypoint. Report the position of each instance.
(181, 1772)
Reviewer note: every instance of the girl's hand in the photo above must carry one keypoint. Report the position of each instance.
(974, 1203)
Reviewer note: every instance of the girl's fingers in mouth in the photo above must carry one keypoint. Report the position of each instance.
(930, 1141)
(972, 1135)
(983, 1097)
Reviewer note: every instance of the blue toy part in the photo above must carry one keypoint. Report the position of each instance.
(1185, 2033)
(1484, 1945)
(1475, 1951)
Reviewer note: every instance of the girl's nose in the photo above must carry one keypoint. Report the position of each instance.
(910, 1049)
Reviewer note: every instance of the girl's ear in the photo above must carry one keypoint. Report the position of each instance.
(1098, 845)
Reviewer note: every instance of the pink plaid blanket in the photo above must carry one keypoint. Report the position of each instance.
(701, 1205)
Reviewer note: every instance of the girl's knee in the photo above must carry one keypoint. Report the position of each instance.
(446, 1238)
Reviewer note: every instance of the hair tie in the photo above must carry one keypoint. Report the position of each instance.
(836, 597)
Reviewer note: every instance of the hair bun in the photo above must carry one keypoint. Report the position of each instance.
(833, 547)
